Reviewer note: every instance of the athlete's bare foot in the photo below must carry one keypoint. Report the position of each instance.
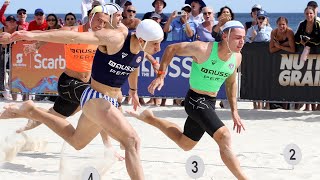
(20, 110)
(30, 125)
(146, 115)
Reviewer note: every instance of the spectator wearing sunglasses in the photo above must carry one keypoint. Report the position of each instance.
(70, 19)
(131, 21)
(261, 32)
(39, 22)
(21, 16)
(52, 21)
(204, 30)
(254, 11)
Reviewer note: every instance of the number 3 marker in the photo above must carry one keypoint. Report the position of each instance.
(195, 167)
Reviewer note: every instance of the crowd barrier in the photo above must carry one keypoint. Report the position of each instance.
(38, 73)
(279, 76)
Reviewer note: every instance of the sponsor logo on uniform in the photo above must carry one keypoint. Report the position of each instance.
(231, 66)
(213, 62)
(139, 59)
(124, 55)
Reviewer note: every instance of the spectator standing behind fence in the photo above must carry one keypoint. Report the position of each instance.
(260, 32)
(158, 5)
(315, 6)
(131, 22)
(52, 21)
(204, 29)
(308, 35)
(21, 15)
(10, 27)
(70, 19)
(254, 11)
(180, 25)
(125, 7)
(39, 22)
(196, 7)
(282, 38)
(225, 14)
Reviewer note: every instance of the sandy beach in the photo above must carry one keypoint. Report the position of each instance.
(259, 149)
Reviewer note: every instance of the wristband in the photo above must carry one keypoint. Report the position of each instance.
(161, 72)
(154, 62)
(133, 89)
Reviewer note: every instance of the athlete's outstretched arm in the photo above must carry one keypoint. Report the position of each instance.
(180, 49)
(101, 37)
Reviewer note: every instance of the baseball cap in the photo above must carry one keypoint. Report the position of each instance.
(262, 13)
(9, 18)
(21, 9)
(155, 15)
(256, 6)
(312, 4)
(186, 6)
(39, 10)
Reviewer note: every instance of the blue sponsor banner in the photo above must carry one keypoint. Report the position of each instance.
(176, 82)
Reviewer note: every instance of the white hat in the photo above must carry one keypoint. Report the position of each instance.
(149, 30)
(232, 24)
(257, 6)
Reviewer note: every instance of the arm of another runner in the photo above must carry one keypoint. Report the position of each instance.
(231, 91)
(101, 37)
(179, 49)
(133, 88)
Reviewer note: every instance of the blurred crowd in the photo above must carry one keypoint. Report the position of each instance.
(194, 21)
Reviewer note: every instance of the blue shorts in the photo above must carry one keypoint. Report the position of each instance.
(90, 93)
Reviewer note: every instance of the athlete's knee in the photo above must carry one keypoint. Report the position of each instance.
(187, 147)
(78, 145)
(223, 137)
(131, 142)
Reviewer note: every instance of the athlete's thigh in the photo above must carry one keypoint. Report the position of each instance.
(109, 118)
(86, 130)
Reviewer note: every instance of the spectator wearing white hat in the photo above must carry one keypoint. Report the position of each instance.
(254, 10)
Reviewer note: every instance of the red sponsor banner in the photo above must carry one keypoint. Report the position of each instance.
(36, 73)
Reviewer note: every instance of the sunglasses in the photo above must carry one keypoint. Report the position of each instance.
(254, 9)
(39, 14)
(261, 18)
(129, 10)
(20, 13)
(70, 19)
(53, 20)
(205, 13)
